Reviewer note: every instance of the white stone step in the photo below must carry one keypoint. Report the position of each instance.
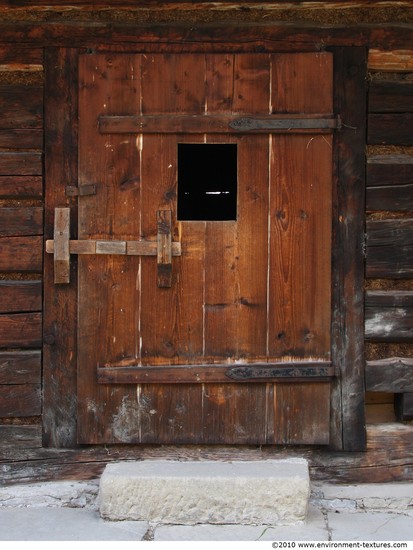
(268, 492)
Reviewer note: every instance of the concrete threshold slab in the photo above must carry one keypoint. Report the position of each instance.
(271, 492)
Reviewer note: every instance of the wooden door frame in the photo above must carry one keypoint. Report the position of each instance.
(347, 431)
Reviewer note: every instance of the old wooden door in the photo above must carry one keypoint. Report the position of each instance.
(222, 336)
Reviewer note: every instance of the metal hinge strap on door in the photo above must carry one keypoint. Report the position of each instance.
(61, 246)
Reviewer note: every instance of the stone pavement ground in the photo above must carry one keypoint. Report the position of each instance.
(68, 511)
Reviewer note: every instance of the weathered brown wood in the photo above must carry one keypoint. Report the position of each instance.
(20, 221)
(389, 316)
(21, 106)
(16, 55)
(61, 255)
(390, 96)
(403, 406)
(347, 404)
(279, 37)
(21, 139)
(59, 342)
(395, 60)
(390, 129)
(20, 367)
(21, 254)
(392, 375)
(20, 400)
(185, 374)
(216, 124)
(390, 183)
(164, 248)
(21, 330)
(21, 187)
(20, 164)
(196, 5)
(128, 248)
(19, 296)
(389, 251)
(111, 329)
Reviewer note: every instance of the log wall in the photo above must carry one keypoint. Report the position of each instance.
(389, 230)
(21, 230)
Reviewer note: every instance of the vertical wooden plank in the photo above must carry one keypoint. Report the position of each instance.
(348, 424)
(60, 301)
(169, 334)
(300, 247)
(109, 294)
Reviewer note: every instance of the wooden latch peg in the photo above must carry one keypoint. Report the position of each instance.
(164, 255)
(163, 248)
(61, 253)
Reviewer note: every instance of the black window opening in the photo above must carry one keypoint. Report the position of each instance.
(207, 181)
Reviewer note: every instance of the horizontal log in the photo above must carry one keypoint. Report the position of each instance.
(21, 164)
(20, 367)
(403, 406)
(394, 232)
(20, 296)
(196, 4)
(235, 36)
(200, 124)
(390, 96)
(388, 457)
(391, 375)
(187, 374)
(389, 316)
(394, 61)
(16, 55)
(21, 187)
(20, 221)
(390, 129)
(389, 183)
(21, 106)
(21, 139)
(18, 254)
(389, 251)
(20, 400)
(21, 330)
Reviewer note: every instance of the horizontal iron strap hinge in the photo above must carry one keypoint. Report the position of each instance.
(200, 124)
(310, 371)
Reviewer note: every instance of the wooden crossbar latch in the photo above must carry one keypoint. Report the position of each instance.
(62, 247)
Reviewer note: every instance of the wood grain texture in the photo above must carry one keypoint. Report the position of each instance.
(389, 252)
(21, 139)
(391, 375)
(20, 254)
(392, 61)
(60, 303)
(21, 330)
(217, 308)
(21, 187)
(233, 37)
(390, 96)
(389, 316)
(390, 129)
(21, 163)
(20, 221)
(20, 400)
(19, 296)
(21, 106)
(347, 405)
(20, 367)
(389, 183)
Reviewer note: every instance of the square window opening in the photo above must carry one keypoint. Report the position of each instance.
(207, 181)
